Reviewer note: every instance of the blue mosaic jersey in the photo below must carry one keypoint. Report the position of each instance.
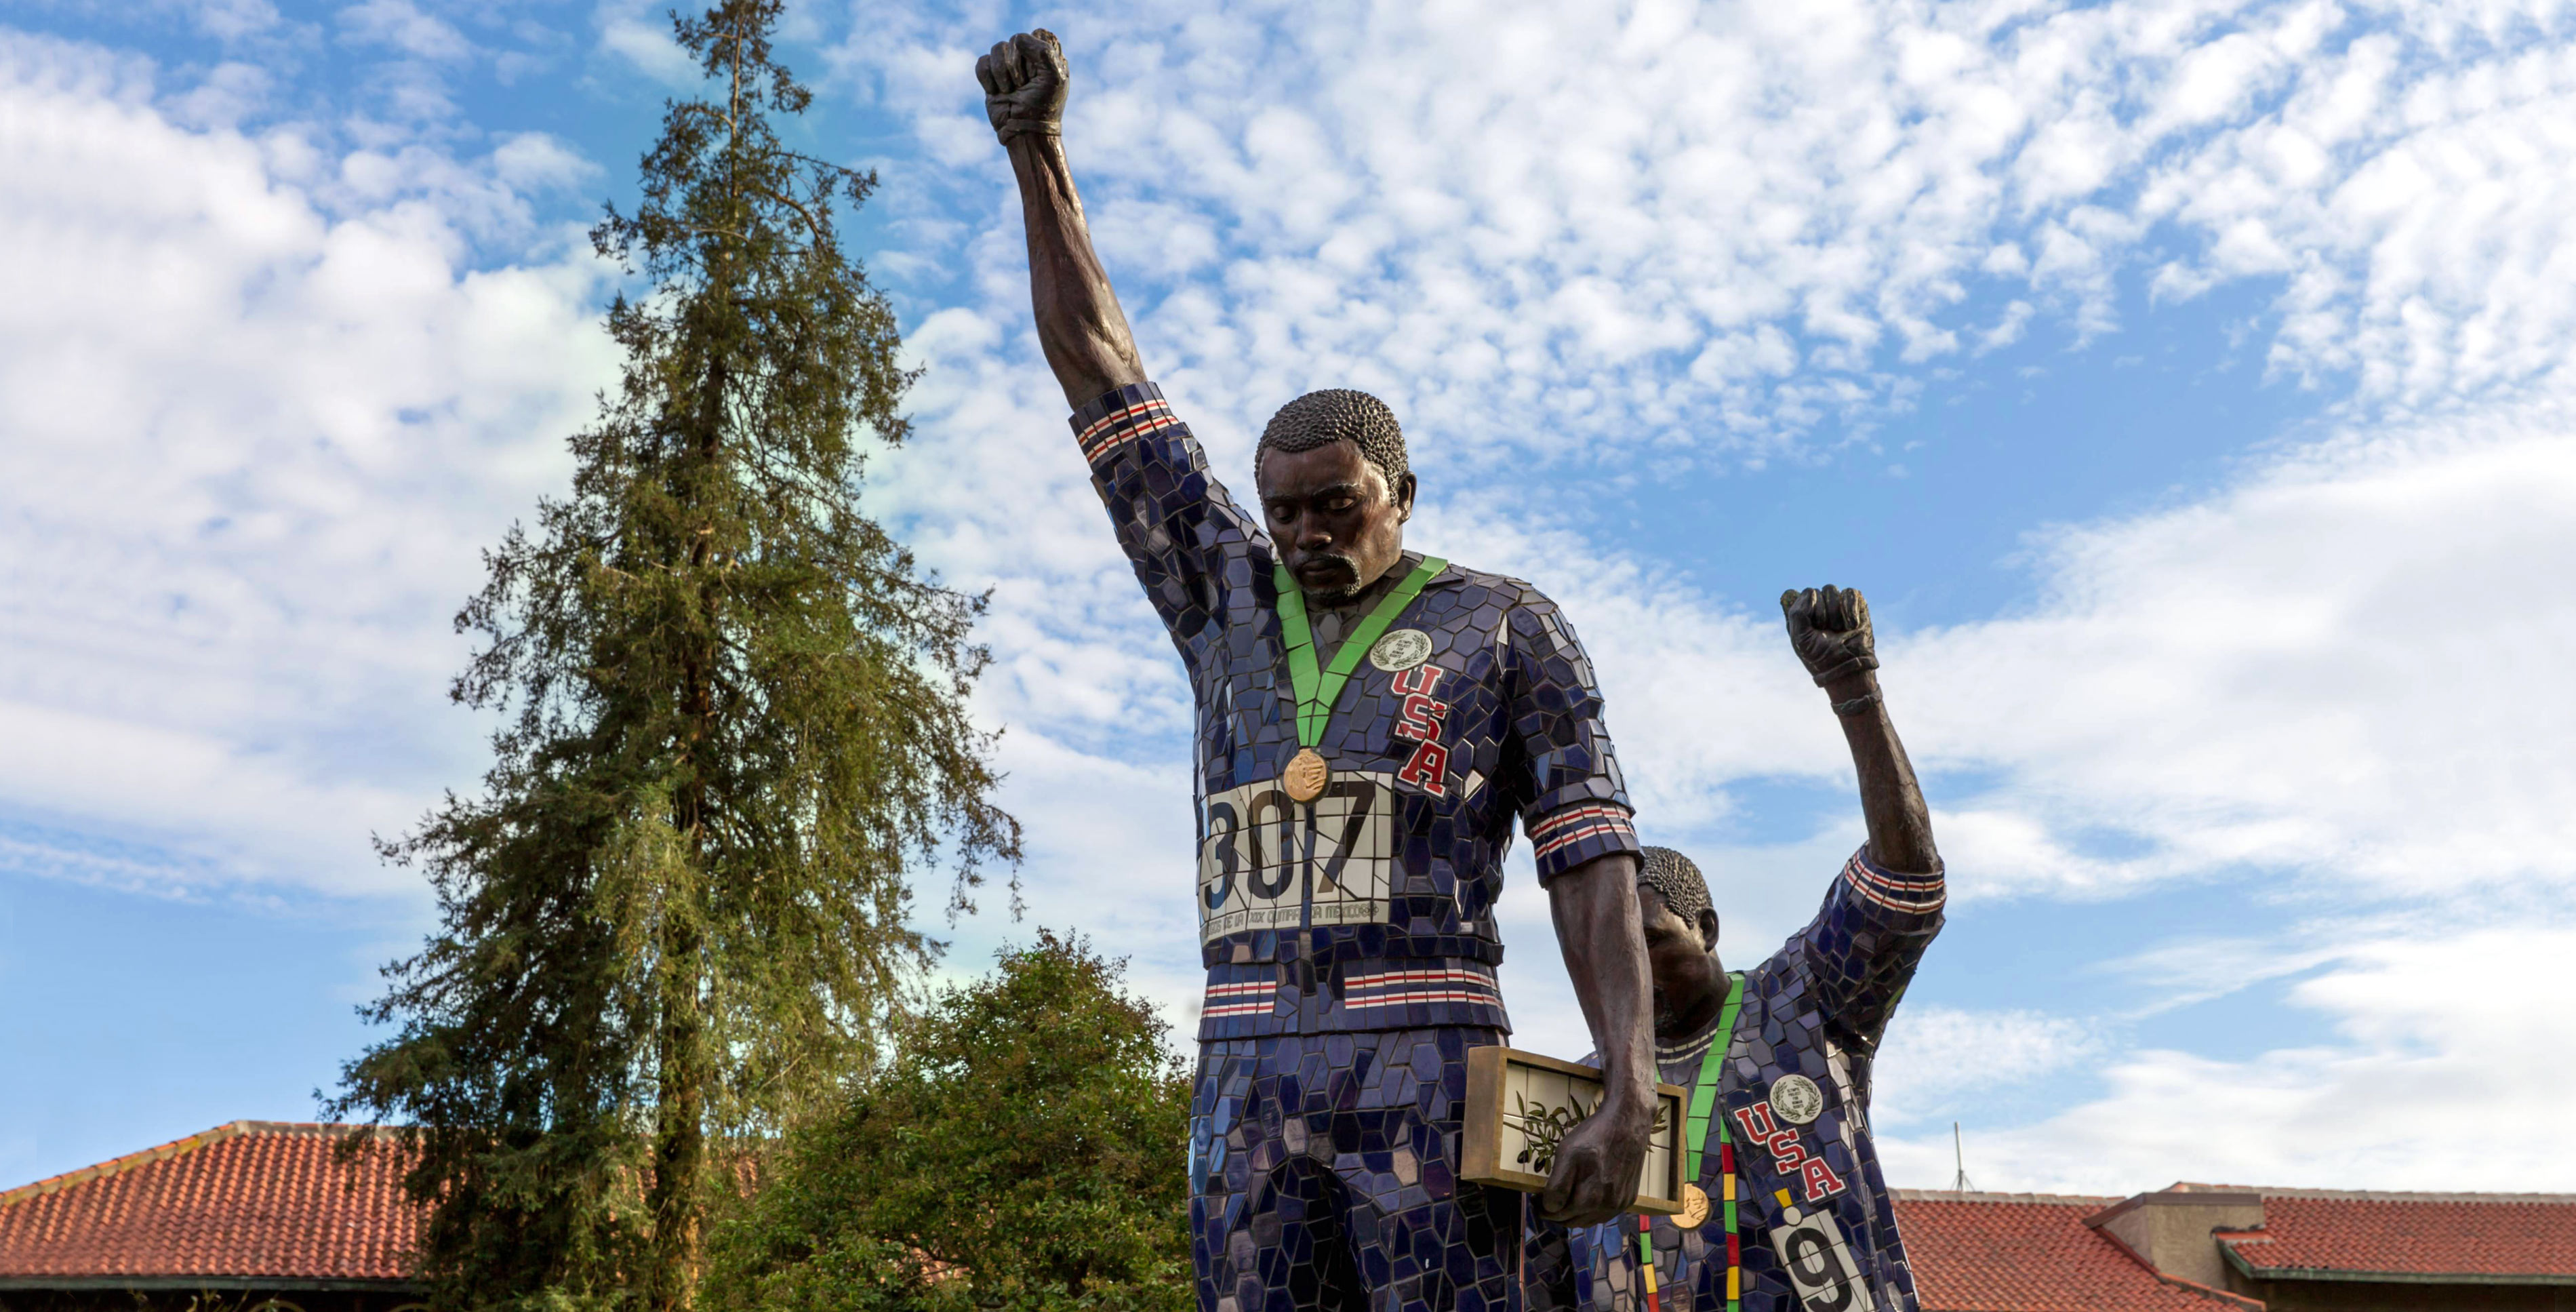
(1373, 906)
(1817, 1231)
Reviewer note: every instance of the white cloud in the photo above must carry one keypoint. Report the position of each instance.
(2438, 1042)
(231, 20)
(1495, 222)
(400, 25)
(261, 415)
(640, 36)
(1934, 1054)
(2334, 669)
(2422, 217)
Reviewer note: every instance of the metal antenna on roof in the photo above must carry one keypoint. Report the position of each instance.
(1959, 1154)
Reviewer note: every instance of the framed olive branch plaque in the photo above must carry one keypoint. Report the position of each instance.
(1519, 1107)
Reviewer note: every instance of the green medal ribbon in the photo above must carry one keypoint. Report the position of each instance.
(1317, 694)
(1703, 1108)
(1712, 1066)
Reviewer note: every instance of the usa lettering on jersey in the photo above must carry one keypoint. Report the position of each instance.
(1420, 719)
(1789, 1155)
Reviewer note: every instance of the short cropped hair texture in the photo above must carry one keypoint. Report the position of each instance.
(1670, 873)
(1338, 414)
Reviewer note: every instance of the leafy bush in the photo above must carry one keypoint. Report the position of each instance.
(1025, 1149)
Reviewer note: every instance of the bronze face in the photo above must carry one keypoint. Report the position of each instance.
(1689, 984)
(1337, 525)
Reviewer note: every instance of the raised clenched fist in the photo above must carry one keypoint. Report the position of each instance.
(1829, 626)
(1024, 84)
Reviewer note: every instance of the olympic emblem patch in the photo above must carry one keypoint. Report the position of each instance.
(1797, 1099)
(1401, 650)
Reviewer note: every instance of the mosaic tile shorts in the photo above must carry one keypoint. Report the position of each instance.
(1323, 1177)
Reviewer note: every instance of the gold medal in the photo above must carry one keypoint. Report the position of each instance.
(1317, 691)
(1694, 1213)
(1305, 776)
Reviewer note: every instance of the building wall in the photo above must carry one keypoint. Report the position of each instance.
(2170, 1230)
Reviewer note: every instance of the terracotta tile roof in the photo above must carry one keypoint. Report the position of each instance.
(253, 1200)
(1977, 1252)
(2531, 1236)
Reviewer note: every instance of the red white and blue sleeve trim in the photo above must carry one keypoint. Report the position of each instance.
(1901, 893)
(1110, 423)
(1571, 835)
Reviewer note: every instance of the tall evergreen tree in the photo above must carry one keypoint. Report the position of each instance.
(734, 720)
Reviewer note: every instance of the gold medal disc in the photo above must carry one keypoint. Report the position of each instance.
(1694, 1213)
(1305, 776)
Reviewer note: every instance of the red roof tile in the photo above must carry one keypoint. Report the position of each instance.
(252, 1200)
(2411, 1234)
(2031, 1253)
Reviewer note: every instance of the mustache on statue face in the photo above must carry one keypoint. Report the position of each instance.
(1350, 572)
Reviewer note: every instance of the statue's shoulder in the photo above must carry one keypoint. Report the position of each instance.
(1502, 588)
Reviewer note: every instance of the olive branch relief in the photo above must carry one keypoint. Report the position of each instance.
(1543, 1127)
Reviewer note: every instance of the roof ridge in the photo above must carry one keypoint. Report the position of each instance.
(164, 1152)
(1973, 1196)
(2393, 1195)
(119, 1165)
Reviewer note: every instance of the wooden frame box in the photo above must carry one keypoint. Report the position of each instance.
(1520, 1103)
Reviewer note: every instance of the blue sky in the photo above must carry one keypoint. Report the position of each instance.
(2185, 381)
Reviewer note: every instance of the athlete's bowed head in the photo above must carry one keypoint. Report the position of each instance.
(1336, 490)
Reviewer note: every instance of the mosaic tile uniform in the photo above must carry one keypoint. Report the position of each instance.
(1816, 1008)
(1351, 948)
(1322, 1174)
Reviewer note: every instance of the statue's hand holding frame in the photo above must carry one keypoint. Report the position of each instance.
(1519, 1106)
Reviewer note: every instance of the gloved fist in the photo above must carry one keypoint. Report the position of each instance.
(1024, 84)
(1829, 627)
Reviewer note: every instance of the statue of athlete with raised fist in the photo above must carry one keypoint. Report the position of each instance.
(1371, 723)
(1787, 1209)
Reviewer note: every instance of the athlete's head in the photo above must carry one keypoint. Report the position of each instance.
(1681, 939)
(1335, 490)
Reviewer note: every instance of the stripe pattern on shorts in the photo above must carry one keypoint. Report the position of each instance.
(1249, 998)
(1467, 982)
(1369, 993)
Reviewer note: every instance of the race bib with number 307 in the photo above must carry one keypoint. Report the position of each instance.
(1269, 863)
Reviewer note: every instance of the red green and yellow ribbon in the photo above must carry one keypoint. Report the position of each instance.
(1703, 1113)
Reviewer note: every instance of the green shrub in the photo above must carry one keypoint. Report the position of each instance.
(1025, 1149)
